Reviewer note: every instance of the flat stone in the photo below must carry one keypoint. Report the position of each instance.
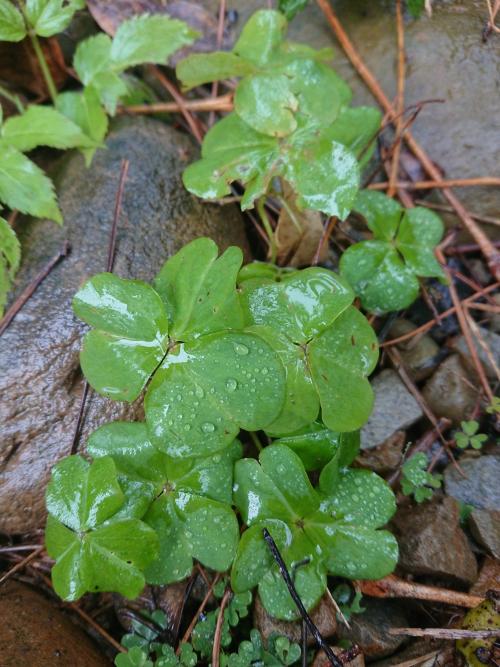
(40, 379)
(480, 487)
(34, 631)
(489, 357)
(449, 392)
(323, 616)
(485, 528)
(370, 630)
(431, 541)
(386, 457)
(420, 355)
(394, 409)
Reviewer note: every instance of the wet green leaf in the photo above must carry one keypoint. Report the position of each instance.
(261, 36)
(383, 271)
(12, 26)
(326, 346)
(292, 7)
(10, 256)
(130, 335)
(416, 481)
(325, 532)
(48, 17)
(204, 392)
(91, 552)
(85, 110)
(24, 186)
(199, 289)
(267, 104)
(316, 446)
(43, 126)
(201, 68)
(356, 128)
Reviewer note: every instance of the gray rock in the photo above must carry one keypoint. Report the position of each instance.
(40, 378)
(480, 486)
(489, 357)
(370, 630)
(394, 410)
(485, 527)
(431, 541)
(449, 392)
(419, 354)
(323, 616)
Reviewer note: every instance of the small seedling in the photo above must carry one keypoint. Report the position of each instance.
(469, 436)
(348, 602)
(384, 271)
(417, 481)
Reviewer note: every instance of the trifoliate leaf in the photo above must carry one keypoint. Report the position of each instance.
(416, 481)
(10, 256)
(24, 186)
(85, 110)
(326, 346)
(130, 336)
(48, 17)
(92, 553)
(327, 530)
(12, 26)
(204, 392)
(383, 271)
(43, 126)
(199, 290)
(135, 657)
(148, 39)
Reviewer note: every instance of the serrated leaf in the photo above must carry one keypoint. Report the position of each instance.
(85, 110)
(383, 271)
(130, 336)
(198, 68)
(91, 553)
(48, 17)
(199, 289)
(10, 256)
(43, 126)
(12, 27)
(24, 186)
(92, 56)
(226, 380)
(148, 39)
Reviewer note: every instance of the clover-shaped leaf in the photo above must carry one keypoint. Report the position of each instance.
(208, 379)
(282, 82)
(383, 271)
(94, 552)
(188, 499)
(322, 171)
(325, 531)
(416, 480)
(325, 344)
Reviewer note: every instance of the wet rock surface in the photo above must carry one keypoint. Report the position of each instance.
(40, 380)
(487, 345)
(34, 631)
(449, 392)
(485, 528)
(323, 615)
(419, 355)
(431, 541)
(489, 577)
(370, 630)
(479, 487)
(395, 409)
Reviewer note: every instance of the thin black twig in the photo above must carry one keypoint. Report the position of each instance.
(109, 267)
(304, 643)
(39, 278)
(296, 598)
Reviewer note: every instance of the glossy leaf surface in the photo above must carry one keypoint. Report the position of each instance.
(327, 527)
(91, 552)
(326, 346)
(384, 271)
(188, 499)
(48, 17)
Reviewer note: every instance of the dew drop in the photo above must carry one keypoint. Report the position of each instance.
(264, 371)
(231, 384)
(241, 349)
(199, 392)
(187, 427)
(208, 427)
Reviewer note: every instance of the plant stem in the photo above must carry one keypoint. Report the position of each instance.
(261, 209)
(12, 98)
(49, 81)
(255, 440)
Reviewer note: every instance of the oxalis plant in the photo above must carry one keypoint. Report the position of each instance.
(75, 119)
(219, 349)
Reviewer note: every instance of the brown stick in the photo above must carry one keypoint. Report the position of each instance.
(39, 278)
(393, 175)
(489, 251)
(21, 564)
(218, 628)
(222, 103)
(444, 633)
(199, 611)
(393, 587)
(441, 183)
